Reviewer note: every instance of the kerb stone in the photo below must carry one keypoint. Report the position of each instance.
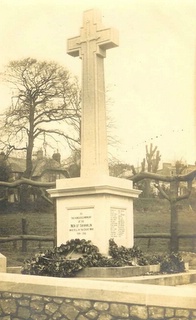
(3, 263)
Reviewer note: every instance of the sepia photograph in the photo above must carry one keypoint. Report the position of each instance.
(97, 159)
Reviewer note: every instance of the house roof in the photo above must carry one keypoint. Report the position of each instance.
(45, 164)
(18, 165)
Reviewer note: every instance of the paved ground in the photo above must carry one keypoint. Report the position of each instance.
(193, 285)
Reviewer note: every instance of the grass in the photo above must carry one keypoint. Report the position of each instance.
(11, 224)
(150, 216)
(153, 216)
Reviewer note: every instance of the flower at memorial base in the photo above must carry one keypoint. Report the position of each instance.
(73, 256)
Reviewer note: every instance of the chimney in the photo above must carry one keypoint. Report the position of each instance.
(40, 154)
(2, 156)
(57, 157)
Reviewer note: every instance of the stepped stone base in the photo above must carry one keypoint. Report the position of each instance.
(117, 272)
(107, 272)
(16, 270)
(3, 263)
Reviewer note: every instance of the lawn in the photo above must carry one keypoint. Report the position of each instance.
(153, 216)
(38, 224)
(150, 216)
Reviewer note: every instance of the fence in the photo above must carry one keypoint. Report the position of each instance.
(25, 237)
(150, 236)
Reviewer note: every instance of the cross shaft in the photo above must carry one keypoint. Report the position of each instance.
(91, 47)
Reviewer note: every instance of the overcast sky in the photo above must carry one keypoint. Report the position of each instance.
(150, 76)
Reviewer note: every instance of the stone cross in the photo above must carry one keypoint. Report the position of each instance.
(91, 46)
(95, 206)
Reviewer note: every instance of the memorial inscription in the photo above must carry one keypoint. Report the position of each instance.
(81, 222)
(118, 223)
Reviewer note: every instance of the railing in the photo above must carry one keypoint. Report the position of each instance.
(25, 237)
(151, 236)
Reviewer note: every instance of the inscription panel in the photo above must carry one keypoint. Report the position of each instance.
(81, 223)
(118, 223)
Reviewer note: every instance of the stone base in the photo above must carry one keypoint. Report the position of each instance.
(117, 272)
(177, 279)
(16, 270)
(96, 209)
(3, 263)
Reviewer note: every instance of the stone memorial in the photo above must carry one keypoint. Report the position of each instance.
(94, 206)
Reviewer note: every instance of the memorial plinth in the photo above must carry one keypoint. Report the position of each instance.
(95, 206)
(95, 209)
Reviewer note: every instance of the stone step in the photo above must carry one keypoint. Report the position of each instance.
(187, 278)
(14, 270)
(117, 272)
(109, 272)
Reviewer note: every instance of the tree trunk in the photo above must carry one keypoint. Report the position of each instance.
(24, 194)
(24, 189)
(174, 216)
(29, 167)
(147, 189)
(174, 227)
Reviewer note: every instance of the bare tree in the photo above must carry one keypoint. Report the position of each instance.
(149, 164)
(4, 176)
(45, 96)
(172, 196)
